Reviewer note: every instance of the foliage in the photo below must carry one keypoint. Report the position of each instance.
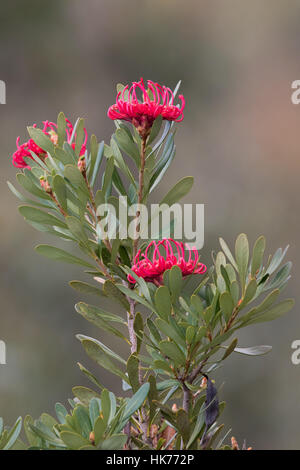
(188, 324)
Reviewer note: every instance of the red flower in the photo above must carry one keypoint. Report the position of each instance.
(152, 268)
(156, 101)
(50, 129)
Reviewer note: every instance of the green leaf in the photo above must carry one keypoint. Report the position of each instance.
(94, 410)
(84, 394)
(45, 204)
(77, 230)
(42, 431)
(90, 376)
(29, 186)
(235, 291)
(100, 318)
(257, 255)
(133, 371)
(254, 350)
(230, 348)
(99, 429)
(156, 126)
(163, 302)
(169, 331)
(102, 355)
(242, 257)
(226, 304)
(80, 136)
(162, 166)
(163, 365)
(30, 435)
(86, 288)
(228, 253)
(175, 282)
(140, 281)
(97, 163)
(59, 187)
(198, 427)
(61, 128)
(172, 351)
(190, 334)
(41, 139)
(276, 260)
(111, 290)
(133, 295)
(134, 403)
(73, 441)
(61, 255)
(83, 419)
(61, 412)
(13, 434)
(178, 191)
(183, 425)
(152, 395)
(105, 404)
(249, 293)
(280, 309)
(114, 442)
(265, 305)
(153, 330)
(128, 145)
(138, 326)
(73, 174)
(119, 160)
(36, 215)
(197, 304)
(93, 155)
(108, 174)
(281, 277)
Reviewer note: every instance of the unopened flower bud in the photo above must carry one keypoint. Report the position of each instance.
(174, 408)
(45, 185)
(92, 437)
(203, 382)
(234, 444)
(81, 164)
(53, 137)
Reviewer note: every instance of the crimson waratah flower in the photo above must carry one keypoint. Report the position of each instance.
(50, 129)
(166, 254)
(155, 101)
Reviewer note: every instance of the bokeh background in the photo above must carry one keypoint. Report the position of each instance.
(239, 138)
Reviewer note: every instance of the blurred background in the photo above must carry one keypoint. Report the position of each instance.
(239, 138)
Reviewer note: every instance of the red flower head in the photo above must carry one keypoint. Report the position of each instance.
(152, 268)
(156, 101)
(50, 129)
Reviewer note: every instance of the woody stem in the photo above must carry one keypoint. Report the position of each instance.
(186, 399)
(143, 418)
(130, 320)
(140, 192)
(61, 210)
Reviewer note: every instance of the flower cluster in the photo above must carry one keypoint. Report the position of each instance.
(166, 254)
(50, 129)
(156, 101)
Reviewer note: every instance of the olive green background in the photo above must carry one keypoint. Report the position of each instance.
(239, 138)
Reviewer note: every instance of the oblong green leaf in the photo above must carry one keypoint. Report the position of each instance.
(37, 215)
(242, 257)
(163, 302)
(61, 255)
(41, 139)
(257, 255)
(181, 189)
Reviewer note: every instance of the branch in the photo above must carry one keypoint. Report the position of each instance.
(140, 193)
